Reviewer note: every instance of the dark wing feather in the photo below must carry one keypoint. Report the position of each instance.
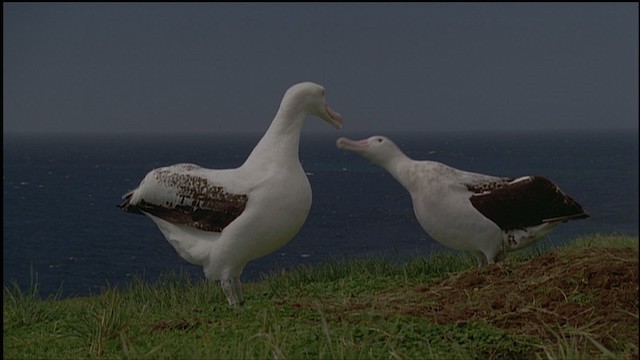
(525, 202)
(197, 203)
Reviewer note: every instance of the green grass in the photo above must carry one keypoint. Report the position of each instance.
(320, 311)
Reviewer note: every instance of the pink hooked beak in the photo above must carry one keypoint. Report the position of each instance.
(353, 145)
(332, 117)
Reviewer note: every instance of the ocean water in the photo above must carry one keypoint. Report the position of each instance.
(62, 225)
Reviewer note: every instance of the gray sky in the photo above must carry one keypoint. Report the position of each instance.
(217, 67)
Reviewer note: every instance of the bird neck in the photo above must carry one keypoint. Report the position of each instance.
(281, 141)
(398, 166)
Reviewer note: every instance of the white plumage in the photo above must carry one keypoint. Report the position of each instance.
(223, 218)
(485, 215)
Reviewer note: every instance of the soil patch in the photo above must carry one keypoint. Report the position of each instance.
(579, 292)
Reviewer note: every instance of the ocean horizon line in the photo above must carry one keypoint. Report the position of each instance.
(312, 132)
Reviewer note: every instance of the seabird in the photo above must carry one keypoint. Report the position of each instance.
(221, 219)
(482, 214)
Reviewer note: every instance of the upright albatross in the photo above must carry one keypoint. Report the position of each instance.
(223, 218)
(485, 215)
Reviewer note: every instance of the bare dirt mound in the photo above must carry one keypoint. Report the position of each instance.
(592, 291)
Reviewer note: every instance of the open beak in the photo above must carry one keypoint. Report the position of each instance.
(353, 145)
(332, 117)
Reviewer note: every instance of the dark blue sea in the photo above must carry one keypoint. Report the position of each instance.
(61, 223)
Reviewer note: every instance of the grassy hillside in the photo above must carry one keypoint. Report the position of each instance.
(577, 301)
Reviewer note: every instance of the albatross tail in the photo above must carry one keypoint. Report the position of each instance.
(127, 206)
(582, 215)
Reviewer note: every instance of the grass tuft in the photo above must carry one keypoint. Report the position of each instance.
(25, 307)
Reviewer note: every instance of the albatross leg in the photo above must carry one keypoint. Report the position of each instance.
(500, 256)
(482, 260)
(228, 286)
(495, 254)
(237, 288)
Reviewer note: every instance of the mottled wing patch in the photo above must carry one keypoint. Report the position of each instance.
(197, 202)
(483, 187)
(524, 202)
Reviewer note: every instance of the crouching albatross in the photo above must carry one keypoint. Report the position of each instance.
(485, 215)
(223, 218)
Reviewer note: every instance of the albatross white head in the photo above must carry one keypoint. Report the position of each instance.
(378, 149)
(308, 98)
